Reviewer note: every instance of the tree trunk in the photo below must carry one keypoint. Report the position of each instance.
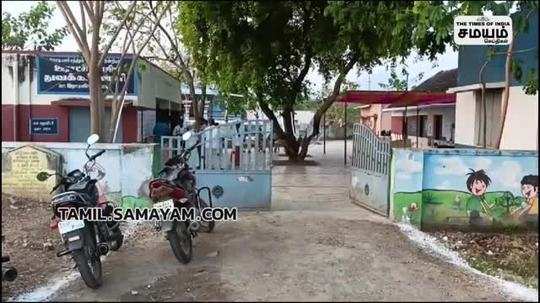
(287, 140)
(506, 92)
(96, 108)
(483, 99)
(194, 105)
(304, 145)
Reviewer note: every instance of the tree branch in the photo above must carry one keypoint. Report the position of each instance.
(137, 53)
(83, 22)
(113, 38)
(74, 29)
(89, 11)
(270, 114)
(179, 61)
(326, 104)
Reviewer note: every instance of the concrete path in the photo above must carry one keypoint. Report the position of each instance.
(314, 245)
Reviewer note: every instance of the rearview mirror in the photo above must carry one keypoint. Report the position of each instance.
(42, 176)
(92, 139)
(187, 135)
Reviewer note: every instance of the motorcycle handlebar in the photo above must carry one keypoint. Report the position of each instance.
(92, 158)
(189, 150)
(57, 185)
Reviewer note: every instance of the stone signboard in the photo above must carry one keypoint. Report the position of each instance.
(20, 167)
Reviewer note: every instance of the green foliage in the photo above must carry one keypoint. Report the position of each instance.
(30, 29)
(437, 17)
(395, 83)
(335, 115)
(531, 82)
(263, 49)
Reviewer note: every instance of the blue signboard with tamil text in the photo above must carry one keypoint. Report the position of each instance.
(67, 74)
(44, 126)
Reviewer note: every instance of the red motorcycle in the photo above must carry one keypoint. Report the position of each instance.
(175, 187)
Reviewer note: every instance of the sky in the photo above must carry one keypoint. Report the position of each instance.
(449, 172)
(380, 74)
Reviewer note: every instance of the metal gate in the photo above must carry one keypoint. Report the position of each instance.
(234, 160)
(370, 172)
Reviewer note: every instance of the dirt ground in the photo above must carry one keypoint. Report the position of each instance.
(30, 244)
(512, 256)
(313, 245)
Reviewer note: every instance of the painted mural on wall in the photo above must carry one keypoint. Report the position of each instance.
(466, 190)
(407, 186)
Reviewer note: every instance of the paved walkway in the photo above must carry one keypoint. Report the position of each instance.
(313, 245)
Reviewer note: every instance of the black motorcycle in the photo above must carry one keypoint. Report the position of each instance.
(85, 240)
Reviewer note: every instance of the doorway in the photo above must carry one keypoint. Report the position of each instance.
(79, 124)
(437, 127)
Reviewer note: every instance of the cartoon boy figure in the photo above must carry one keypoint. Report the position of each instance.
(529, 189)
(477, 184)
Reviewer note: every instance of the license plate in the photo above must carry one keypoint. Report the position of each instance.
(70, 225)
(164, 204)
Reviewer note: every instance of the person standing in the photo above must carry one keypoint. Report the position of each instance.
(179, 129)
(161, 129)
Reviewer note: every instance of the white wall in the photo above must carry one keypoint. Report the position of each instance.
(7, 84)
(465, 118)
(521, 127)
(127, 166)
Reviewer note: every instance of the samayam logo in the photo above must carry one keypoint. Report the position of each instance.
(483, 30)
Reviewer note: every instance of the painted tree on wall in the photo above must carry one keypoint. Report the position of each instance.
(264, 50)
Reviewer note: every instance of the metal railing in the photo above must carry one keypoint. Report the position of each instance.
(370, 152)
(240, 145)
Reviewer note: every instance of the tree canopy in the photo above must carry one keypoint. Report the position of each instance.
(31, 29)
(264, 50)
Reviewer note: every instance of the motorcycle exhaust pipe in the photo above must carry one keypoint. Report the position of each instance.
(103, 248)
(9, 273)
(194, 226)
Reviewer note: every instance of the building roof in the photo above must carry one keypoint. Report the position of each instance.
(53, 53)
(440, 82)
(431, 91)
(397, 98)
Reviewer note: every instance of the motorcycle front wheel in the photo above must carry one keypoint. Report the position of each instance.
(88, 260)
(180, 239)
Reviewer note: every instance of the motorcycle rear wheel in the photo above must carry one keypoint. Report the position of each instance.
(88, 261)
(180, 239)
(207, 226)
